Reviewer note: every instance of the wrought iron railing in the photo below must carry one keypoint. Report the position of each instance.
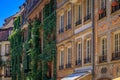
(102, 58)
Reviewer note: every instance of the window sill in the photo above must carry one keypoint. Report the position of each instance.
(89, 20)
(102, 19)
(78, 26)
(115, 13)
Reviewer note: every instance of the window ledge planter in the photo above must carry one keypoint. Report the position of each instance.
(115, 3)
(101, 11)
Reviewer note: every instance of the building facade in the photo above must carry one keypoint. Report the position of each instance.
(5, 54)
(74, 34)
(107, 39)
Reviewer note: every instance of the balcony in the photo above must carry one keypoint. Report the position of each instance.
(87, 60)
(61, 67)
(116, 56)
(78, 62)
(78, 22)
(102, 58)
(68, 65)
(61, 30)
(68, 27)
(115, 6)
(87, 17)
(102, 13)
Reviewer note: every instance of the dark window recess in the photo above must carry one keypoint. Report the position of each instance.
(61, 67)
(116, 56)
(87, 60)
(68, 27)
(68, 65)
(78, 62)
(87, 17)
(115, 7)
(102, 13)
(102, 58)
(61, 30)
(78, 22)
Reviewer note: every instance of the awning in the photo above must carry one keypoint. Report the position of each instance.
(75, 76)
(117, 78)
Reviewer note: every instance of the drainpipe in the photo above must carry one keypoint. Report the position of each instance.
(93, 41)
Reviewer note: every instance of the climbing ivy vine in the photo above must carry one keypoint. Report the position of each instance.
(16, 50)
(39, 48)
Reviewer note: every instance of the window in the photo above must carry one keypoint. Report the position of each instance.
(88, 10)
(62, 58)
(103, 57)
(115, 5)
(88, 51)
(102, 4)
(79, 53)
(117, 42)
(7, 71)
(104, 46)
(69, 18)
(79, 14)
(10, 31)
(7, 49)
(61, 24)
(116, 53)
(69, 57)
(0, 49)
(102, 10)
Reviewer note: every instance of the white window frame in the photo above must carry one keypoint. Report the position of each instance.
(104, 46)
(88, 7)
(61, 56)
(88, 55)
(103, 4)
(61, 22)
(79, 51)
(117, 42)
(69, 17)
(68, 55)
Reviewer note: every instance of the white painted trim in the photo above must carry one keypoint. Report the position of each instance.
(83, 28)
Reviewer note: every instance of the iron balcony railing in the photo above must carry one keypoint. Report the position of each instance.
(61, 67)
(102, 58)
(68, 65)
(115, 8)
(78, 22)
(116, 56)
(102, 15)
(87, 60)
(87, 17)
(61, 30)
(78, 62)
(68, 27)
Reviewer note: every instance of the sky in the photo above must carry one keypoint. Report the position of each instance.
(9, 8)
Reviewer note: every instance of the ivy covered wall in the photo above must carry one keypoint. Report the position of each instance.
(38, 52)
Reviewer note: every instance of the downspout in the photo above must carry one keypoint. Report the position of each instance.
(93, 41)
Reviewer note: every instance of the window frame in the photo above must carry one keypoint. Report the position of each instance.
(69, 55)
(88, 48)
